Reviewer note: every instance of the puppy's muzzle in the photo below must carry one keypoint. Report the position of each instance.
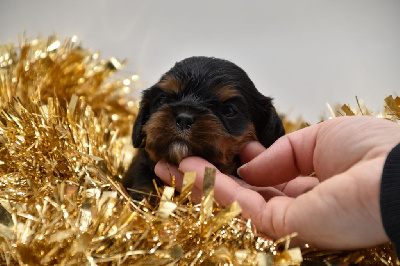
(184, 121)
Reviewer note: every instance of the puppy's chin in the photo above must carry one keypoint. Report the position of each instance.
(177, 152)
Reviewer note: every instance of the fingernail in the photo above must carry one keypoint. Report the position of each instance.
(240, 169)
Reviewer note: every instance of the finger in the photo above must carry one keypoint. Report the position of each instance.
(300, 185)
(297, 186)
(193, 164)
(289, 157)
(166, 172)
(266, 192)
(197, 165)
(226, 189)
(250, 151)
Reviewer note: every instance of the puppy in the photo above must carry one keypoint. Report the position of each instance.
(202, 106)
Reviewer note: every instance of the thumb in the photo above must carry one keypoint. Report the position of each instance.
(290, 156)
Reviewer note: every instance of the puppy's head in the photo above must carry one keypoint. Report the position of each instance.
(205, 107)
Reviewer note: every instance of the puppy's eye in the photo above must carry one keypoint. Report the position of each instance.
(160, 101)
(228, 111)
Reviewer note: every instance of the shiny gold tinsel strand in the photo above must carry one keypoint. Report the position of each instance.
(391, 109)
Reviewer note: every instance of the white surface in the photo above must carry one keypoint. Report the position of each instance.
(302, 53)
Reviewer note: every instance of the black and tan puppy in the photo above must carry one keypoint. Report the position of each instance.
(202, 106)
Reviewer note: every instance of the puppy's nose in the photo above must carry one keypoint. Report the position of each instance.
(184, 121)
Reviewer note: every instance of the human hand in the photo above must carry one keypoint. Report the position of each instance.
(341, 212)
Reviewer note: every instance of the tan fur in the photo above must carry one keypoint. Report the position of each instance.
(170, 84)
(226, 92)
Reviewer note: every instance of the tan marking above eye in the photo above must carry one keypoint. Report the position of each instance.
(170, 84)
(226, 92)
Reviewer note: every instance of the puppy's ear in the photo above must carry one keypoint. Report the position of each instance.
(266, 120)
(137, 133)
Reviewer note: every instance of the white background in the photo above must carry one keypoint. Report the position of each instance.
(302, 53)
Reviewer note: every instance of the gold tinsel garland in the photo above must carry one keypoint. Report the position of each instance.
(64, 145)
